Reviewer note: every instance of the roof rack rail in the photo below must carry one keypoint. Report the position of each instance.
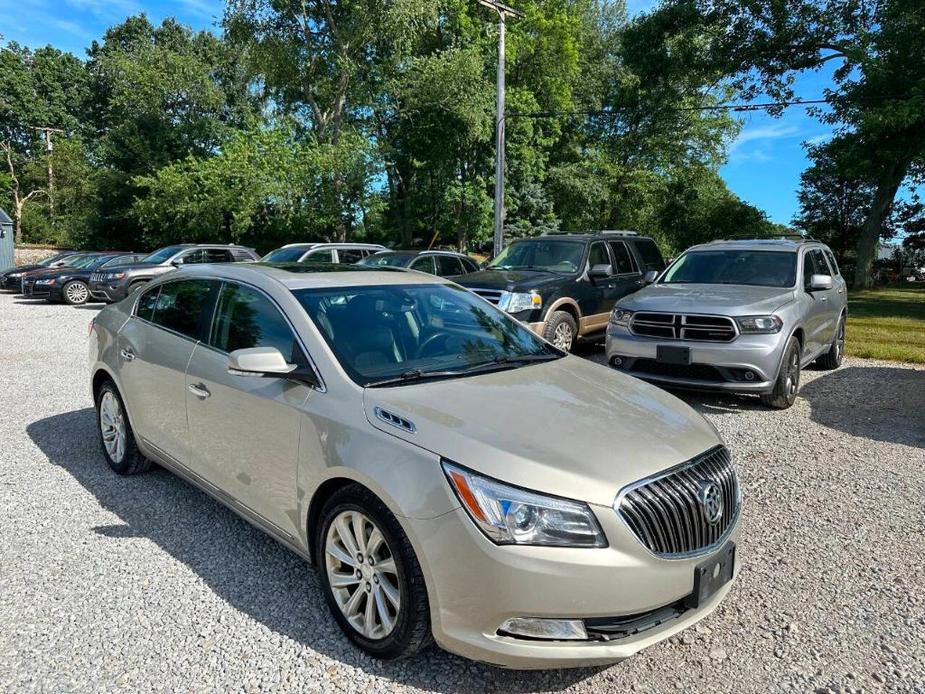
(771, 237)
(608, 232)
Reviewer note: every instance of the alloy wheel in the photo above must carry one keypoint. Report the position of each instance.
(840, 342)
(563, 337)
(112, 426)
(77, 293)
(362, 574)
(793, 374)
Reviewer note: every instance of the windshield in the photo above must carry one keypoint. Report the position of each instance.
(118, 260)
(160, 255)
(51, 259)
(757, 268)
(285, 255)
(85, 261)
(72, 260)
(552, 256)
(386, 260)
(380, 333)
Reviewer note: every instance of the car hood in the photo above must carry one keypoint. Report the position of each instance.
(568, 427)
(20, 270)
(722, 299)
(509, 280)
(60, 272)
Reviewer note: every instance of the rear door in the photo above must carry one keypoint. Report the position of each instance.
(648, 255)
(424, 263)
(217, 255)
(627, 274)
(244, 430)
(155, 346)
(349, 256)
(448, 265)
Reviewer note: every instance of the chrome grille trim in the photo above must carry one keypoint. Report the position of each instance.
(664, 513)
(694, 327)
(493, 296)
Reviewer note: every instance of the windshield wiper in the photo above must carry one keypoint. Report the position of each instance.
(413, 375)
(418, 375)
(508, 361)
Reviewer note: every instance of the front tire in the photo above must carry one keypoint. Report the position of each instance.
(75, 293)
(370, 575)
(116, 437)
(787, 384)
(561, 330)
(833, 358)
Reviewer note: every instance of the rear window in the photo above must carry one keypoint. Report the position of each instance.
(651, 256)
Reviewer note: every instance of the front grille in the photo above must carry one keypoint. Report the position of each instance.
(696, 372)
(491, 295)
(681, 326)
(667, 513)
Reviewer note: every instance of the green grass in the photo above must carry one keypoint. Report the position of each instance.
(888, 323)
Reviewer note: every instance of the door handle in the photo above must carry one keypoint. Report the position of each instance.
(839, 290)
(199, 390)
(127, 354)
(824, 298)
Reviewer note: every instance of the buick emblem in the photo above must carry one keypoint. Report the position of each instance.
(711, 500)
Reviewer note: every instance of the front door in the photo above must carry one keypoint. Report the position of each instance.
(819, 322)
(244, 430)
(155, 346)
(605, 290)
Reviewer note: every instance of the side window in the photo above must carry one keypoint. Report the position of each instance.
(179, 306)
(146, 303)
(822, 268)
(425, 264)
(470, 265)
(191, 257)
(598, 254)
(349, 256)
(828, 254)
(326, 256)
(216, 255)
(809, 268)
(651, 256)
(448, 265)
(623, 261)
(246, 318)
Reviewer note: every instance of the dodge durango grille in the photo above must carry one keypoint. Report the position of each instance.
(687, 510)
(675, 326)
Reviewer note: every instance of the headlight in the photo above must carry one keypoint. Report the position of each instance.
(620, 316)
(115, 275)
(513, 516)
(523, 301)
(759, 324)
(51, 281)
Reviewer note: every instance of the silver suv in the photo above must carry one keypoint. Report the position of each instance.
(451, 475)
(741, 316)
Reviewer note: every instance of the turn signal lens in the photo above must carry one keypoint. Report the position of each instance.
(552, 629)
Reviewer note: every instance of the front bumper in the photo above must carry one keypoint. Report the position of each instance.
(475, 585)
(11, 283)
(722, 366)
(110, 292)
(31, 290)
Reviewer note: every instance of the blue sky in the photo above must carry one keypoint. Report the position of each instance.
(764, 164)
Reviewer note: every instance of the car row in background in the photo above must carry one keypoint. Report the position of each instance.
(11, 279)
(69, 282)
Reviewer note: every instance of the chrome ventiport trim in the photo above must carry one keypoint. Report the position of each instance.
(395, 420)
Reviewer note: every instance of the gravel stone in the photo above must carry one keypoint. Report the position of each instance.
(146, 584)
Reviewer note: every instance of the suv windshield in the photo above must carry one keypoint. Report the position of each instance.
(387, 260)
(160, 255)
(285, 255)
(758, 268)
(391, 335)
(552, 256)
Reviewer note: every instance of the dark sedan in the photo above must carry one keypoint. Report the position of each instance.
(11, 278)
(70, 284)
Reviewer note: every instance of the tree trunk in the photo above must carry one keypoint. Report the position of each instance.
(887, 185)
(17, 220)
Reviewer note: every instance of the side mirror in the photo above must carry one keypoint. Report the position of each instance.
(602, 270)
(268, 362)
(650, 276)
(819, 283)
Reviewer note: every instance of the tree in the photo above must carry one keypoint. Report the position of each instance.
(20, 197)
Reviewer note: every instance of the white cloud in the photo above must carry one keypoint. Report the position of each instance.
(204, 9)
(765, 132)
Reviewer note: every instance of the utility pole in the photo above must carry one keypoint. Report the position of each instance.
(503, 13)
(51, 173)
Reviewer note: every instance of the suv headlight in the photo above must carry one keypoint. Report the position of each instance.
(759, 324)
(115, 275)
(523, 301)
(621, 316)
(513, 516)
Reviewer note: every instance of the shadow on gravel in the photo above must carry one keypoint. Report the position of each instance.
(248, 569)
(877, 402)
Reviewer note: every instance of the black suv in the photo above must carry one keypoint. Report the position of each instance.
(116, 283)
(564, 286)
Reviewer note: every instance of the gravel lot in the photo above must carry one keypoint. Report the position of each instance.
(147, 584)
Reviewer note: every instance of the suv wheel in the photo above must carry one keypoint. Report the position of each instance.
(833, 358)
(116, 437)
(561, 330)
(75, 293)
(370, 576)
(135, 286)
(787, 384)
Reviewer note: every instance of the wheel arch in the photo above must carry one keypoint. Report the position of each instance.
(568, 305)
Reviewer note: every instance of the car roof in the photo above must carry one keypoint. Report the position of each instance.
(315, 275)
(587, 235)
(314, 244)
(781, 244)
(434, 251)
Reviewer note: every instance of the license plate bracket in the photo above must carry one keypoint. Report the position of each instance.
(672, 354)
(711, 575)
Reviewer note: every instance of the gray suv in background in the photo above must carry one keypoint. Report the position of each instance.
(740, 316)
(118, 282)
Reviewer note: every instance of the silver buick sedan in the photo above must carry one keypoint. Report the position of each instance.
(451, 476)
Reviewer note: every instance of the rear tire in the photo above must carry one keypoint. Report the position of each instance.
(75, 293)
(391, 584)
(833, 358)
(787, 384)
(116, 437)
(561, 330)
(134, 287)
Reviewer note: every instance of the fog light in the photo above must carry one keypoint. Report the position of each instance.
(749, 376)
(552, 629)
(617, 361)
